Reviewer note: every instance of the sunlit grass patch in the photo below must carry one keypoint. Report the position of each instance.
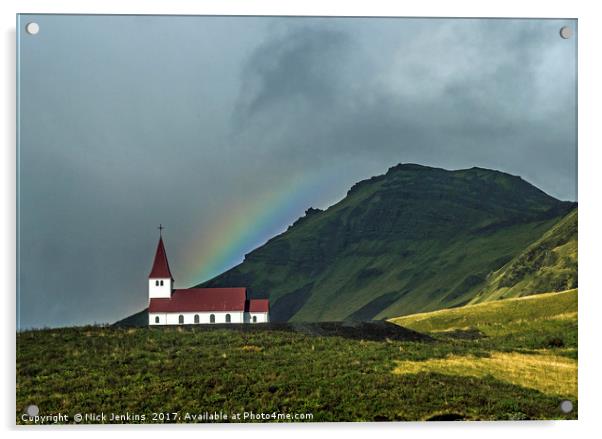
(499, 313)
(550, 374)
(565, 316)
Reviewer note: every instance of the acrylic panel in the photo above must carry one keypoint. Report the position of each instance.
(297, 219)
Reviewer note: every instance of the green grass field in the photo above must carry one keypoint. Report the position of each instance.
(513, 331)
(463, 373)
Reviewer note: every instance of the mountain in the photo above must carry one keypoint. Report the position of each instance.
(139, 319)
(549, 264)
(412, 240)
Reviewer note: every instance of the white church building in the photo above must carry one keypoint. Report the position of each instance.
(170, 306)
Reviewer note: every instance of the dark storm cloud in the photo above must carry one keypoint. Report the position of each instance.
(298, 68)
(466, 93)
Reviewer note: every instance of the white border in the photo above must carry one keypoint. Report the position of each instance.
(589, 211)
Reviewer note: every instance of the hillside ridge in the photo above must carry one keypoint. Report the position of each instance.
(413, 239)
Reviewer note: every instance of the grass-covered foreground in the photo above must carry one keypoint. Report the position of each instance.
(515, 328)
(485, 365)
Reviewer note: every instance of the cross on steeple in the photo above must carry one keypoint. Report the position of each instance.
(160, 268)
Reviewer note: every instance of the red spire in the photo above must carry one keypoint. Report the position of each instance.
(160, 266)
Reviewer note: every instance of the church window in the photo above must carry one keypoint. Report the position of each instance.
(196, 318)
(228, 318)
(156, 283)
(212, 318)
(157, 319)
(254, 319)
(181, 319)
(161, 283)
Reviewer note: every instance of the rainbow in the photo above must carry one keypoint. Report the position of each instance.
(246, 227)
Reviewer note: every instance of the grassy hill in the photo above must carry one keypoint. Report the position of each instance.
(549, 264)
(414, 239)
(525, 336)
(501, 317)
(510, 359)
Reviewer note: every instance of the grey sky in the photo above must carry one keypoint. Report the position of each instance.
(193, 122)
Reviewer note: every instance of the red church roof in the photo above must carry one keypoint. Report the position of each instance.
(160, 265)
(259, 305)
(202, 300)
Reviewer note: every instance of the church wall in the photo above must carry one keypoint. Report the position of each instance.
(151, 319)
(261, 317)
(204, 318)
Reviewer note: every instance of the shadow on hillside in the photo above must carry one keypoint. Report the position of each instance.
(374, 330)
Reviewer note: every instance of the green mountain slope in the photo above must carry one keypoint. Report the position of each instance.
(139, 319)
(415, 239)
(549, 264)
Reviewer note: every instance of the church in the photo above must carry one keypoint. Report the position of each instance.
(197, 306)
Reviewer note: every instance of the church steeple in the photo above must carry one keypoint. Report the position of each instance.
(160, 268)
(160, 279)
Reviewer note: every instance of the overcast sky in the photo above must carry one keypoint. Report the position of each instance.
(227, 129)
